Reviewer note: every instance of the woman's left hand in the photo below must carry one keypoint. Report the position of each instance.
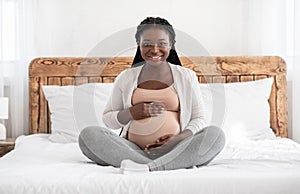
(165, 143)
(159, 142)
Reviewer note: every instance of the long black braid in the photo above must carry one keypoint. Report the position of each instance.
(163, 24)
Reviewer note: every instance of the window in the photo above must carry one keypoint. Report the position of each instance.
(8, 35)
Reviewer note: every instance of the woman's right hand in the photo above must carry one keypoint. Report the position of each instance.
(144, 110)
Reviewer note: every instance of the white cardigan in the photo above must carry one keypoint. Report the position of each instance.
(185, 83)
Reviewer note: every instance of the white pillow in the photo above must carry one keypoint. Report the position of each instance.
(73, 108)
(241, 109)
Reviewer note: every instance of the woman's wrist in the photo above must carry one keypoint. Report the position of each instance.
(186, 133)
(181, 136)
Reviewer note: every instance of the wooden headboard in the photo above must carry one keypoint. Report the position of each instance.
(218, 69)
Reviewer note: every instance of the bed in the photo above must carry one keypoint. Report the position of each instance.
(263, 165)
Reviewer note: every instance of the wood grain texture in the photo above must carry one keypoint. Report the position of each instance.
(43, 112)
(217, 69)
(34, 104)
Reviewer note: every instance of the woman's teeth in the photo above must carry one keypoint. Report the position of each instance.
(155, 57)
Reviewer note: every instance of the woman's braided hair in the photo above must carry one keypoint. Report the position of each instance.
(156, 22)
(160, 23)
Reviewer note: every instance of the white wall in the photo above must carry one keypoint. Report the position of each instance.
(74, 27)
(227, 27)
(296, 76)
(296, 100)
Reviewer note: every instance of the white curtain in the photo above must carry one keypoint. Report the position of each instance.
(16, 51)
(271, 27)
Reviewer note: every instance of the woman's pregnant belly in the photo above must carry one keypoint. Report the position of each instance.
(145, 131)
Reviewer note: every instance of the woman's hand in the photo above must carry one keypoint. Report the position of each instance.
(166, 143)
(160, 141)
(144, 110)
(140, 111)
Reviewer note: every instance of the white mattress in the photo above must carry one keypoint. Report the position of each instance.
(39, 166)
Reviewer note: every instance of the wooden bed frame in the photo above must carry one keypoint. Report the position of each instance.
(218, 69)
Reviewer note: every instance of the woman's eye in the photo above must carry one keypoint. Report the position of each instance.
(163, 44)
(147, 44)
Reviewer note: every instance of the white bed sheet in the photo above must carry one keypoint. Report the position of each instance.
(38, 165)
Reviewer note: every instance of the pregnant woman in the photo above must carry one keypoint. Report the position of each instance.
(158, 105)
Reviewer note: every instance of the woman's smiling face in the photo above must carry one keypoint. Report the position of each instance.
(155, 46)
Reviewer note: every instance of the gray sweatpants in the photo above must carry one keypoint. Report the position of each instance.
(106, 148)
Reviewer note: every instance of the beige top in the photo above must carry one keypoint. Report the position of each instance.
(145, 131)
